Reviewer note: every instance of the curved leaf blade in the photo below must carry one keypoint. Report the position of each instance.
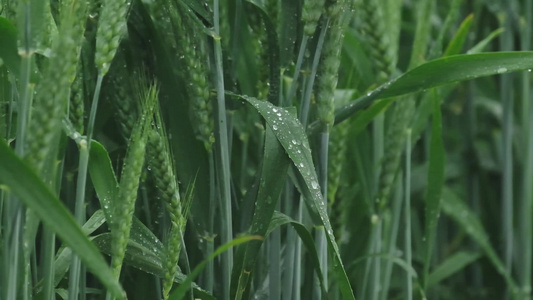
(275, 162)
(451, 266)
(180, 292)
(436, 73)
(437, 158)
(146, 253)
(103, 178)
(454, 207)
(279, 219)
(291, 134)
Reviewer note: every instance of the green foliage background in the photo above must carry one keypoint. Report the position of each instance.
(267, 149)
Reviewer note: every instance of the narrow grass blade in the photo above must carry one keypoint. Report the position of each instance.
(280, 219)
(422, 32)
(146, 253)
(290, 133)
(438, 72)
(452, 265)
(454, 207)
(64, 254)
(275, 164)
(180, 292)
(458, 41)
(198, 8)
(398, 261)
(437, 158)
(103, 178)
(485, 42)
(367, 116)
(23, 183)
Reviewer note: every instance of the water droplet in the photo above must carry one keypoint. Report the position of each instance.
(274, 127)
(502, 70)
(314, 185)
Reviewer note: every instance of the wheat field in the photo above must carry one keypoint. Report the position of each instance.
(266, 149)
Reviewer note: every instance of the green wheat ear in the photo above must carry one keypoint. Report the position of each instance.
(196, 62)
(111, 28)
(49, 104)
(329, 63)
(161, 166)
(129, 181)
(77, 106)
(311, 12)
(120, 92)
(374, 31)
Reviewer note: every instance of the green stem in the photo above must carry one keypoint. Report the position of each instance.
(223, 155)
(298, 256)
(506, 43)
(297, 69)
(368, 265)
(320, 235)
(274, 270)
(210, 243)
(13, 258)
(376, 283)
(17, 211)
(48, 263)
(235, 38)
(24, 103)
(396, 215)
(79, 210)
(304, 112)
(291, 240)
(407, 189)
(527, 197)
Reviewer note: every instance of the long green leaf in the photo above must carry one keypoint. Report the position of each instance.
(16, 176)
(368, 115)
(454, 207)
(386, 256)
(439, 72)
(180, 292)
(457, 42)
(290, 133)
(437, 158)
(64, 254)
(275, 162)
(146, 254)
(103, 178)
(452, 265)
(279, 219)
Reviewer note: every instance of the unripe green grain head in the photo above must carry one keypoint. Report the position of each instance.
(311, 12)
(111, 28)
